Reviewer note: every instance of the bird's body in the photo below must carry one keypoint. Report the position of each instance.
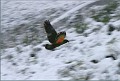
(56, 39)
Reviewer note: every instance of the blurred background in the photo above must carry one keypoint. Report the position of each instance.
(92, 27)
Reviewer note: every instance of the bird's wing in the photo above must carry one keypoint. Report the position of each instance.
(51, 33)
(60, 37)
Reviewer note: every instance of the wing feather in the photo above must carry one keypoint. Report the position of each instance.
(51, 33)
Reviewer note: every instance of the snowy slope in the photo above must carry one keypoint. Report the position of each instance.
(33, 9)
(92, 55)
(25, 18)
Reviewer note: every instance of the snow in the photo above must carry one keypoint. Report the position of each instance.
(73, 60)
(116, 24)
(33, 9)
(72, 11)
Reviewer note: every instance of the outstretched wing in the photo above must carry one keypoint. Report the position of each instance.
(51, 33)
(60, 37)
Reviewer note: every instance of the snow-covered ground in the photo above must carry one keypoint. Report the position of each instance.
(91, 55)
(20, 10)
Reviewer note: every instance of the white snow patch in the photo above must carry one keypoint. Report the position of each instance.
(69, 61)
(72, 11)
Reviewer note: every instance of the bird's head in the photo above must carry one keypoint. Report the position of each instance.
(49, 47)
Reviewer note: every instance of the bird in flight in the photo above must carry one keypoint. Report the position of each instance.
(56, 39)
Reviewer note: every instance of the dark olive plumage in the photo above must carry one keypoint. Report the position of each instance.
(53, 36)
